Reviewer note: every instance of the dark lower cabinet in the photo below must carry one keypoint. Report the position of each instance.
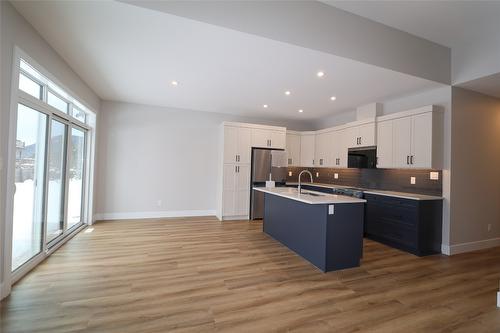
(414, 226)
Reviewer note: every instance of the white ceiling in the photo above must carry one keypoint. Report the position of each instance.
(131, 54)
(449, 23)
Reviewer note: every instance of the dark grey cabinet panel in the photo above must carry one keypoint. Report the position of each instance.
(414, 226)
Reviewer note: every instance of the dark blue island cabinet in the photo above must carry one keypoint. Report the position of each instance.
(330, 236)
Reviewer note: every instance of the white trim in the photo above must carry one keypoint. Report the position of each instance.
(235, 218)
(470, 246)
(256, 126)
(408, 113)
(152, 215)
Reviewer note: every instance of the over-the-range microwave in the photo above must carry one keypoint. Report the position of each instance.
(362, 158)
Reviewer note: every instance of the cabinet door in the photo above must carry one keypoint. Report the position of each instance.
(242, 194)
(421, 145)
(384, 144)
(229, 187)
(293, 149)
(345, 139)
(244, 144)
(351, 136)
(319, 149)
(402, 142)
(230, 144)
(307, 150)
(329, 150)
(278, 139)
(366, 134)
(260, 138)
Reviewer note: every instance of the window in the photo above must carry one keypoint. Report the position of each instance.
(29, 86)
(57, 102)
(41, 88)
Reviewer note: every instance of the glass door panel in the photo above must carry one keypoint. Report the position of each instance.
(76, 174)
(27, 233)
(56, 179)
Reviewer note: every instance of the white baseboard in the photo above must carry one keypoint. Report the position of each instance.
(470, 246)
(152, 215)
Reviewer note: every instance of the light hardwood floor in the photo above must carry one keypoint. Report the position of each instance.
(200, 275)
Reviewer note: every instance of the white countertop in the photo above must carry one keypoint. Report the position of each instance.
(403, 195)
(321, 199)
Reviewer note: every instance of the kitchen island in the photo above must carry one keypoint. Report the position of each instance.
(325, 229)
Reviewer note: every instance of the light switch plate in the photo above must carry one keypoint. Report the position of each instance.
(336, 175)
(289, 173)
(413, 180)
(434, 175)
(317, 174)
(330, 210)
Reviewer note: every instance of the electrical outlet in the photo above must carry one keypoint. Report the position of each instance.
(489, 227)
(413, 180)
(434, 175)
(317, 174)
(331, 210)
(336, 175)
(290, 173)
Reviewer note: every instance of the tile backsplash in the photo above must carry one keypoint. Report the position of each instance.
(380, 179)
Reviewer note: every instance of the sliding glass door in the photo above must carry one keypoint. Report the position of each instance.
(49, 182)
(76, 176)
(28, 214)
(56, 179)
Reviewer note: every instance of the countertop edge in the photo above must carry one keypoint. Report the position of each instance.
(395, 194)
(347, 201)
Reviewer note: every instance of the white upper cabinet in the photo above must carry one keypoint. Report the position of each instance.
(307, 147)
(293, 149)
(324, 151)
(385, 144)
(237, 144)
(264, 138)
(278, 139)
(417, 140)
(361, 135)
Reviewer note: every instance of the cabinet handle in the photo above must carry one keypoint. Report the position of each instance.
(313, 162)
(411, 159)
(235, 169)
(407, 159)
(270, 142)
(360, 140)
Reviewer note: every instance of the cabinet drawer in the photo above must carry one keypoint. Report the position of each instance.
(392, 214)
(391, 201)
(393, 233)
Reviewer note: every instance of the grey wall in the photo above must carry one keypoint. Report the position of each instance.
(15, 30)
(147, 153)
(475, 160)
(321, 27)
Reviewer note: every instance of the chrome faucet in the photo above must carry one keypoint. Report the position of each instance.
(300, 174)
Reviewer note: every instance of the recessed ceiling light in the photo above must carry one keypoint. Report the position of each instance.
(265, 106)
(300, 111)
(174, 83)
(287, 92)
(333, 98)
(320, 74)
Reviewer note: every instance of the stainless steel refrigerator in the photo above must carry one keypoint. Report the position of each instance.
(267, 164)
